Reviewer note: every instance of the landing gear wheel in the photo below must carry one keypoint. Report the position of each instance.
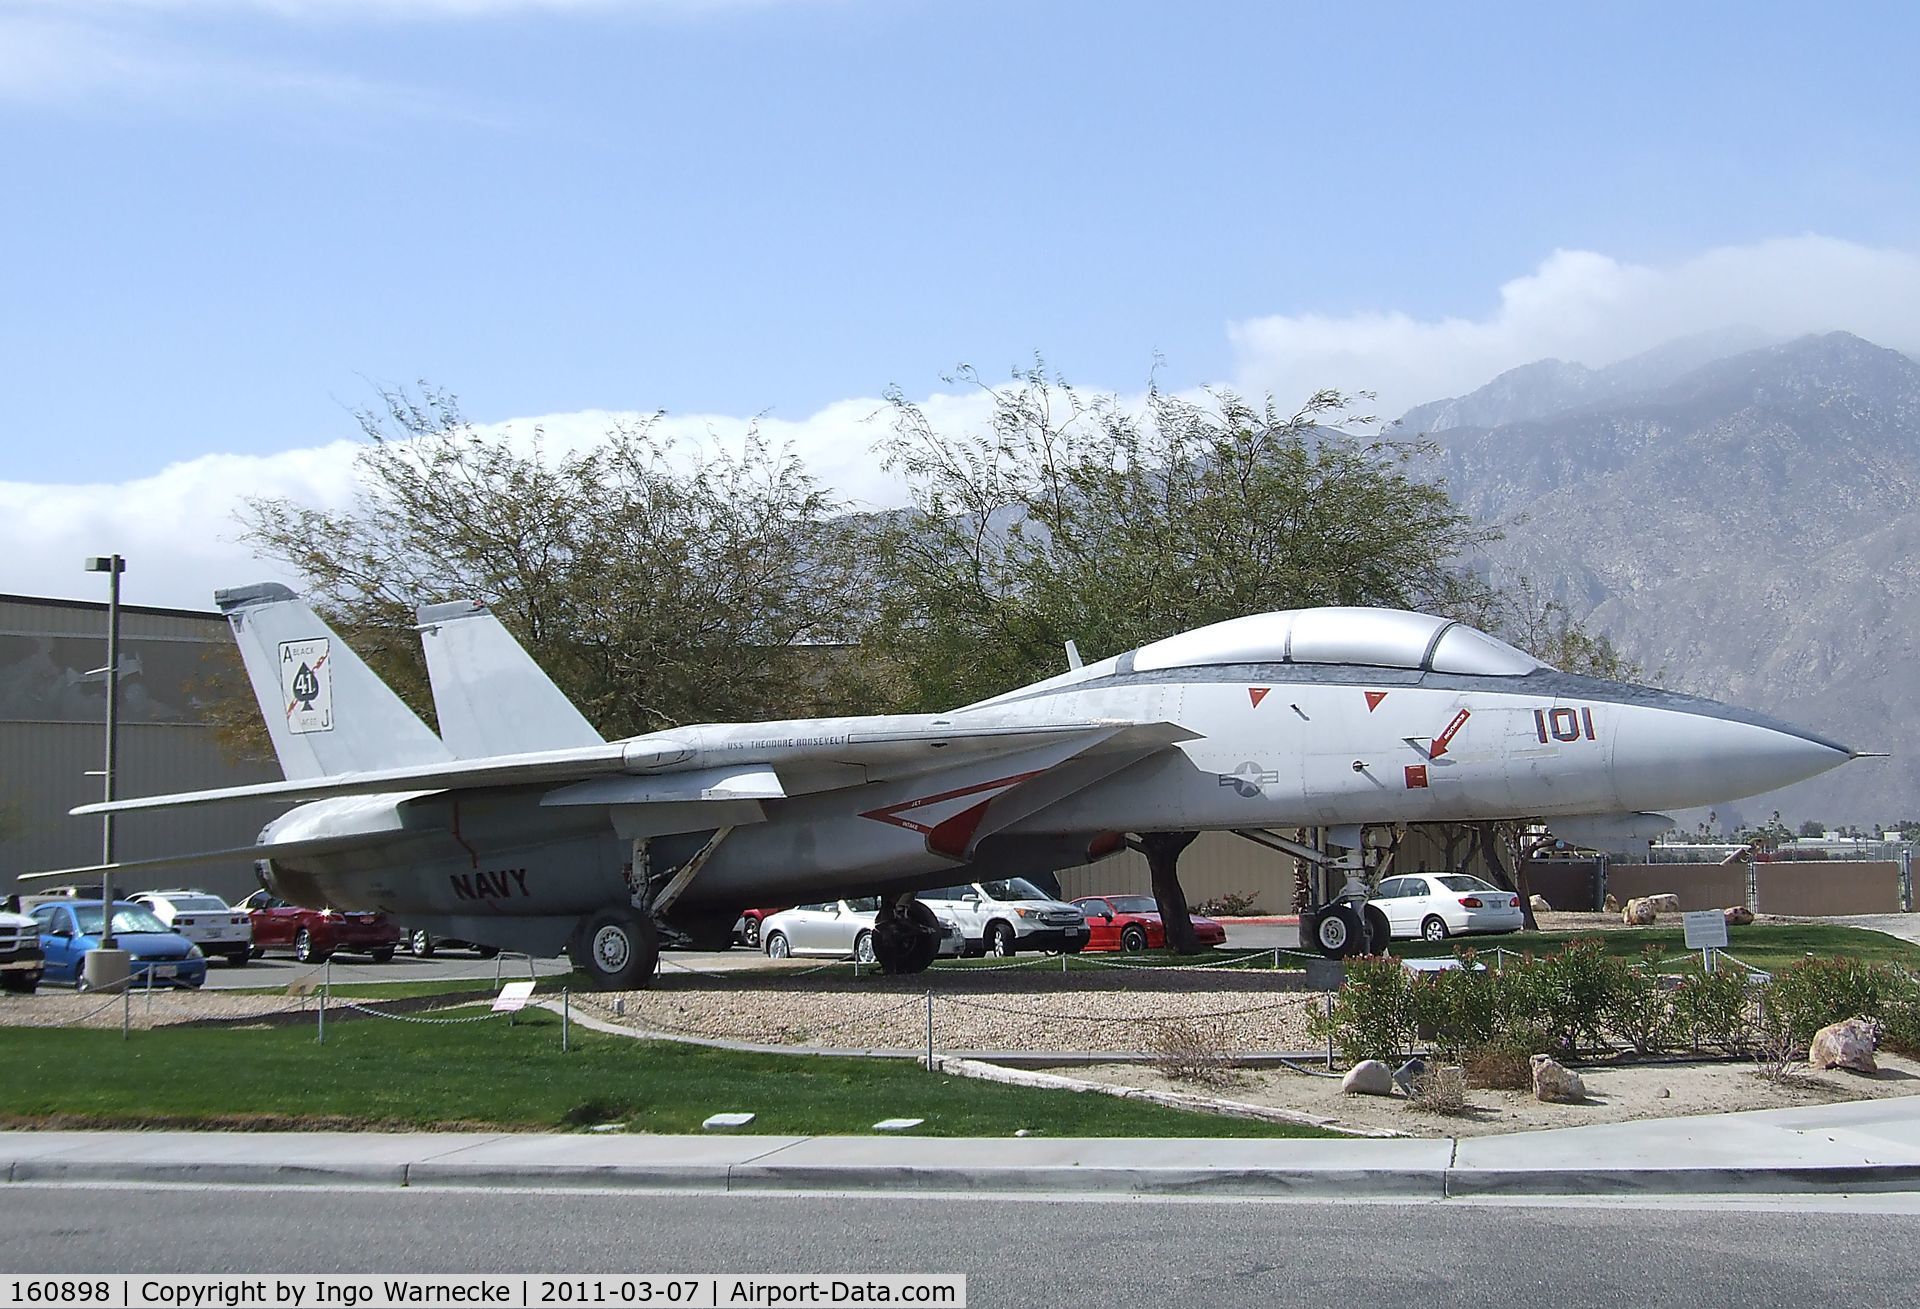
(617, 948)
(1434, 929)
(906, 939)
(863, 949)
(1338, 932)
(420, 944)
(1000, 941)
(1134, 939)
(1379, 931)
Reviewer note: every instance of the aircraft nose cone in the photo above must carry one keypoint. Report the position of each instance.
(1669, 759)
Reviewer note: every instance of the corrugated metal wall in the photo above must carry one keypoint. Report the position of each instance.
(52, 734)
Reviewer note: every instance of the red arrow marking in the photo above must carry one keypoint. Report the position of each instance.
(1440, 741)
(1373, 699)
(1257, 694)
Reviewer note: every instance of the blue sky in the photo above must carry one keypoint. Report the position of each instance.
(227, 220)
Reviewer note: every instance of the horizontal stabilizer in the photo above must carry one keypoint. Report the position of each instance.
(278, 851)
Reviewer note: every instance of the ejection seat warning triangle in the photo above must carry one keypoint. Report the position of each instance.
(1257, 694)
(306, 685)
(1373, 699)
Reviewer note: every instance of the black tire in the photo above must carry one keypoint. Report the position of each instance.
(1338, 932)
(383, 956)
(486, 951)
(1379, 931)
(908, 940)
(750, 933)
(306, 951)
(1001, 942)
(1133, 938)
(617, 948)
(777, 947)
(239, 958)
(863, 949)
(1434, 928)
(420, 943)
(20, 983)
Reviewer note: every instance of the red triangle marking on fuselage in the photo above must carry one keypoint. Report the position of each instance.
(1257, 694)
(1373, 699)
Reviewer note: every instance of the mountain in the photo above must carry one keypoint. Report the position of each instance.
(1745, 527)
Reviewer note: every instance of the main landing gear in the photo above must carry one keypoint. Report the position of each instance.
(906, 936)
(618, 948)
(1344, 924)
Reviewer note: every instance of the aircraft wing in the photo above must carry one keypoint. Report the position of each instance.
(876, 746)
(278, 850)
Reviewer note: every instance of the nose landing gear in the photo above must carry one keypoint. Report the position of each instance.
(906, 936)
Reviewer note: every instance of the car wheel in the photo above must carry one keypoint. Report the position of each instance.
(1134, 939)
(80, 980)
(239, 958)
(420, 943)
(306, 951)
(383, 956)
(20, 983)
(863, 949)
(486, 951)
(777, 947)
(1434, 928)
(1000, 941)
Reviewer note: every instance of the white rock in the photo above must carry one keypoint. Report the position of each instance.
(1664, 904)
(1737, 915)
(1368, 1077)
(1845, 1044)
(1639, 912)
(720, 1121)
(1554, 1083)
(897, 1124)
(1539, 905)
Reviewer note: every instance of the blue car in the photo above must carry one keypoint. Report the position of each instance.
(70, 928)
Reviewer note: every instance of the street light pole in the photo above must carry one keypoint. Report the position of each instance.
(113, 566)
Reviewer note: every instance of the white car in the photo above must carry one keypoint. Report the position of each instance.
(1438, 905)
(838, 928)
(1012, 914)
(204, 919)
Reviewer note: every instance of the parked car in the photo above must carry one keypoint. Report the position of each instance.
(71, 928)
(839, 928)
(1438, 905)
(422, 944)
(1132, 923)
(750, 922)
(21, 960)
(316, 935)
(204, 919)
(1012, 914)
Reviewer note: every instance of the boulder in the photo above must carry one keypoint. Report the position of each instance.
(1612, 903)
(1738, 915)
(1664, 904)
(1368, 1077)
(1539, 905)
(1638, 913)
(1845, 1044)
(1555, 1083)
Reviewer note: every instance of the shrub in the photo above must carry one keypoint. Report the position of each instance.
(1439, 1090)
(1499, 1065)
(1374, 1014)
(1458, 1009)
(1188, 1052)
(1808, 995)
(1714, 1010)
(1229, 905)
(1638, 1010)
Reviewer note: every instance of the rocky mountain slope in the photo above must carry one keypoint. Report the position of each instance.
(1746, 527)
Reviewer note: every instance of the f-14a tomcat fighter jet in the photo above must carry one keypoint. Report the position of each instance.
(519, 827)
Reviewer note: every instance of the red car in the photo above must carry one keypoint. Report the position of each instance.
(314, 935)
(1132, 923)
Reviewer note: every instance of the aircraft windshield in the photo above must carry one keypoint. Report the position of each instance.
(1378, 638)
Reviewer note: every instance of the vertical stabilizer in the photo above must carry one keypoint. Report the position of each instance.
(326, 710)
(490, 696)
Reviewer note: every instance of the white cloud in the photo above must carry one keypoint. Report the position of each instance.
(1590, 309)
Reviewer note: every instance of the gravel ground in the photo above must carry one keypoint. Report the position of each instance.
(1025, 1007)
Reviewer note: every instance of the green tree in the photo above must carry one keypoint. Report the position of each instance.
(1075, 517)
(654, 587)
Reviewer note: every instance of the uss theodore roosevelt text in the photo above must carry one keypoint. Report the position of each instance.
(690, 1290)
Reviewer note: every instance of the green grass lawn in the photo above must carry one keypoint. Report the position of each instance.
(1764, 945)
(378, 1074)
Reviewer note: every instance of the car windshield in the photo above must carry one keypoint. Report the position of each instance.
(198, 904)
(1134, 904)
(1015, 888)
(126, 918)
(1461, 882)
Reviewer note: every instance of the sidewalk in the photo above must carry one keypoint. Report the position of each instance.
(1860, 1146)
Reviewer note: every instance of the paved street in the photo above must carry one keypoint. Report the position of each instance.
(1049, 1251)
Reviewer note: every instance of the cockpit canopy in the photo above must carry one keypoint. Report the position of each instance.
(1379, 638)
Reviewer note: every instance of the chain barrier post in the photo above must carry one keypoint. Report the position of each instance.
(126, 1010)
(566, 1017)
(322, 1012)
(1063, 963)
(929, 1031)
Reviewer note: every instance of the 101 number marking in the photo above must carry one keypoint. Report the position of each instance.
(1563, 724)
